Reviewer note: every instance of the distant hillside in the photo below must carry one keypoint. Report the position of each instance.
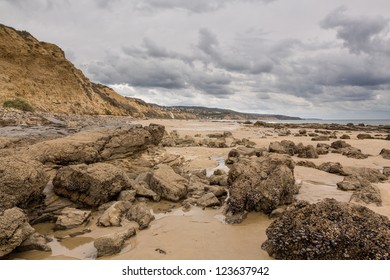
(39, 73)
(218, 113)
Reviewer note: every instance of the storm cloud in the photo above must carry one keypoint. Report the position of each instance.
(298, 58)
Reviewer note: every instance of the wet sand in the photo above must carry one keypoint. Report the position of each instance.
(201, 234)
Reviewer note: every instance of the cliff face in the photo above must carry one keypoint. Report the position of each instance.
(40, 73)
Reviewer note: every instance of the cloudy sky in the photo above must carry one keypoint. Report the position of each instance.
(322, 59)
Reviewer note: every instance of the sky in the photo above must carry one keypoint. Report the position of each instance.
(312, 59)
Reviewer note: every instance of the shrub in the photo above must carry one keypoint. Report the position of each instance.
(107, 111)
(18, 103)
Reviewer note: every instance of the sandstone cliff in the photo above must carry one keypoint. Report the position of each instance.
(40, 73)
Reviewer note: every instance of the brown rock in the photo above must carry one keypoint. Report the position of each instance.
(329, 230)
(168, 184)
(385, 153)
(332, 167)
(91, 185)
(14, 229)
(71, 218)
(22, 181)
(141, 214)
(113, 243)
(208, 200)
(261, 184)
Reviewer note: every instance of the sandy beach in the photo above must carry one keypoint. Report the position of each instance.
(201, 233)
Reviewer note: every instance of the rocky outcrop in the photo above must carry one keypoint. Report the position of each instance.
(339, 144)
(71, 218)
(385, 153)
(141, 214)
(329, 230)
(90, 185)
(113, 243)
(168, 184)
(261, 184)
(22, 181)
(97, 145)
(14, 229)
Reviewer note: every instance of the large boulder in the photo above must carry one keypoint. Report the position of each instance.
(113, 243)
(368, 194)
(168, 184)
(22, 181)
(98, 144)
(261, 184)
(14, 229)
(91, 185)
(329, 230)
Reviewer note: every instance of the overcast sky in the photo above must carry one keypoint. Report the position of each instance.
(325, 59)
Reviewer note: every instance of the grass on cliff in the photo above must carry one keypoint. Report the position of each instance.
(18, 103)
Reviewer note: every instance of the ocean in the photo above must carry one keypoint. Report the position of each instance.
(355, 121)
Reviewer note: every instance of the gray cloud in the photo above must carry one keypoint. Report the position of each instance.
(198, 6)
(360, 34)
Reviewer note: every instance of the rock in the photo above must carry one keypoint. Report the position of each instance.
(306, 163)
(141, 214)
(332, 167)
(261, 184)
(113, 243)
(71, 218)
(113, 215)
(345, 136)
(320, 138)
(208, 200)
(141, 186)
(214, 143)
(353, 182)
(278, 212)
(235, 218)
(127, 195)
(339, 144)
(329, 230)
(22, 181)
(97, 145)
(322, 148)
(302, 131)
(284, 147)
(385, 153)
(218, 191)
(216, 135)
(168, 184)
(14, 229)
(386, 171)
(220, 180)
(92, 184)
(227, 134)
(219, 172)
(35, 241)
(368, 194)
(364, 136)
(352, 152)
(370, 174)
(387, 137)
(308, 152)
